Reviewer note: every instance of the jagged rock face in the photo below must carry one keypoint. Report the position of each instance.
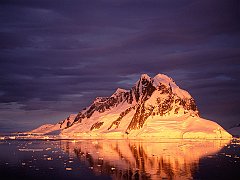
(158, 96)
(153, 107)
(165, 102)
(67, 122)
(118, 120)
(96, 125)
(143, 89)
(101, 104)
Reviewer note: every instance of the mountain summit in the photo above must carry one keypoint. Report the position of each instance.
(153, 107)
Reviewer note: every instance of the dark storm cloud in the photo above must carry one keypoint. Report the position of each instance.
(57, 56)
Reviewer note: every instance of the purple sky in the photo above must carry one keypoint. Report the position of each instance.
(57, 56)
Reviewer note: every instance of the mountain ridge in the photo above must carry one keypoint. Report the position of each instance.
(153, 107)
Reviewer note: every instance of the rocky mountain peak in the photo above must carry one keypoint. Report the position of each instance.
(143, 88)
(163, 79)
(145, 76)
(158, 96)
(119, 92)
(155, 106)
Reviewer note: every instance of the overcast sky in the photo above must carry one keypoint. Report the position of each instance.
(57, 56)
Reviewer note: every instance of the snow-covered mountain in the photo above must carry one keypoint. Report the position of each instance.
(54, 128)
(153, 107)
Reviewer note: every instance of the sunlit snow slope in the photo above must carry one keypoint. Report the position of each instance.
(54, 128)
(153, 107)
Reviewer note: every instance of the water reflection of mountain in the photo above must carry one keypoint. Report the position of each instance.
(125, 159)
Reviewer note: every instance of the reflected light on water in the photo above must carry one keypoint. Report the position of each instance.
(125, 159)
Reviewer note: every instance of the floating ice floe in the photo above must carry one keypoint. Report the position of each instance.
(33, 150)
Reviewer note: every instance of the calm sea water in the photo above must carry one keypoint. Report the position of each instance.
(119, 159)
